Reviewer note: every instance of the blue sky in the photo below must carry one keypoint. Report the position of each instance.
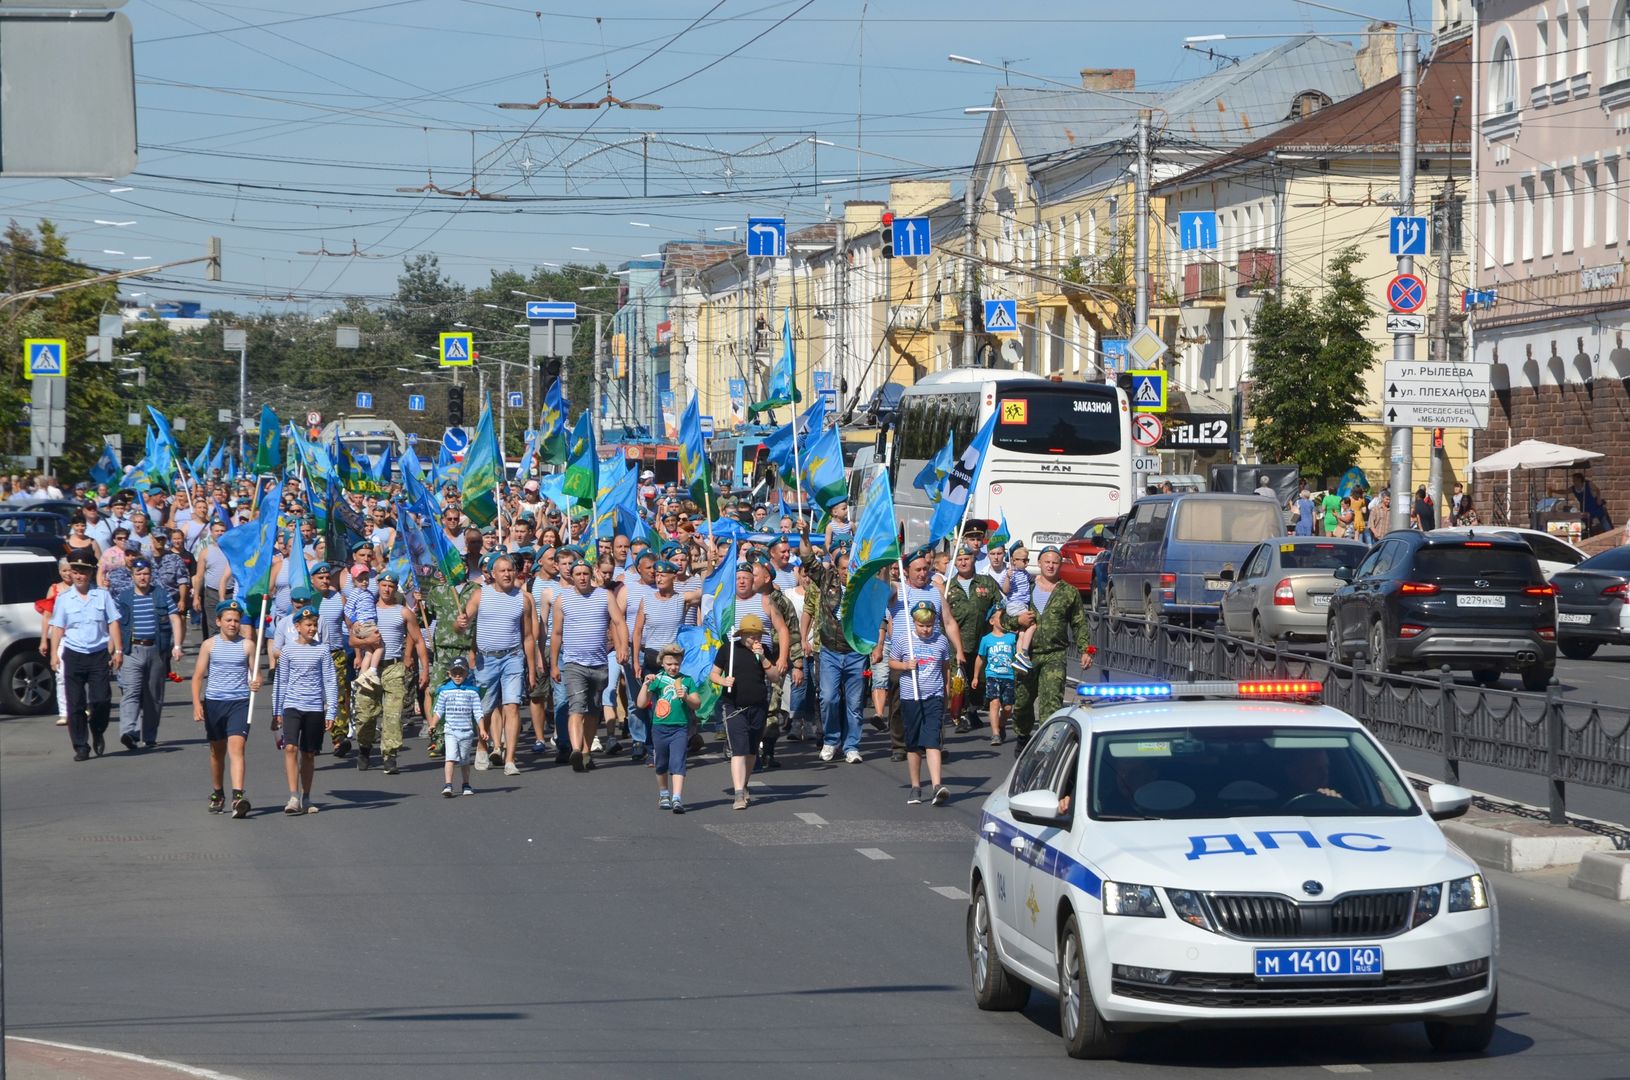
(287, 128)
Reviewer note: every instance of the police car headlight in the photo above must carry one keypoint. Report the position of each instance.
(1186, 905)
(1468, 894)
(1139, 900)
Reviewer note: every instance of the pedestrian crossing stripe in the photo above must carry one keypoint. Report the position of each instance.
(45, 356)
(456, 350)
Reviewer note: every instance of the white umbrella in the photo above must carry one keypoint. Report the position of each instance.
(1532, 454)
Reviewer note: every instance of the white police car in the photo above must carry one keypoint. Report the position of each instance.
(1225, 853)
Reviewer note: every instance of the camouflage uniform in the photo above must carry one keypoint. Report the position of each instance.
(970, 610)
(1040, 691)
(442, 603)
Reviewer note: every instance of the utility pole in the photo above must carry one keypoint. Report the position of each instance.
(969, 293)
(1140, 244)
(1444, 221)
(503, 412)
(1403, 345)
(594, 393)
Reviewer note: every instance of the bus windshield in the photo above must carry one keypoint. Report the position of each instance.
(1077, 420)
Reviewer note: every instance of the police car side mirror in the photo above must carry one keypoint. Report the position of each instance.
(1446, 801)
(1039, 807)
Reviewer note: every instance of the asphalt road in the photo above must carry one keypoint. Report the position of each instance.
(558, 924)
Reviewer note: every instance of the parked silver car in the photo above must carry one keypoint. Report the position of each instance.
(1283, 587)
(27, 685)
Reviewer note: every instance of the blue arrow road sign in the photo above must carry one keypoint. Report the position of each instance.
(1001, 316)
(551, 310)
(516, 399)
(365, 400)
(1197, 230)
(911, 237)
(455, 439)
(1407, 236)
(766, 237)
(415, 403)
(1406, 293)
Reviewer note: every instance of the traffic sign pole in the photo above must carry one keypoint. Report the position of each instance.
(1403, 345)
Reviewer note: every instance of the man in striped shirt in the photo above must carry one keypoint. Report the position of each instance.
(153, 627)
(505, 657)
(305, 697)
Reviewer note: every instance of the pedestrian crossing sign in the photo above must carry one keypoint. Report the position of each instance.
(1001, 316)
(457, 350)
(1148, 391)
(45, 357)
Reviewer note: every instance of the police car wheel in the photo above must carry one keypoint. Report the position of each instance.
(1086, 1034)
(994, 990)
(1473, 1038)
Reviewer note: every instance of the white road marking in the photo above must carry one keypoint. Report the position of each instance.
(1346, 1069)
(810, 819)
(185, 1070)
(875, 854)
(950, 892)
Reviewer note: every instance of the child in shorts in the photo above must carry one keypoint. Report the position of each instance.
(362, 612)
(670, 696)
(995, 664)
(921, 654)
(458, 710)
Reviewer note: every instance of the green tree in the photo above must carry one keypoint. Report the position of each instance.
(1309, 359)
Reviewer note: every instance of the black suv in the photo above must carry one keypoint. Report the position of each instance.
(1421, 600)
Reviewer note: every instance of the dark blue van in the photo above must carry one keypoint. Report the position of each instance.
(1171, 556)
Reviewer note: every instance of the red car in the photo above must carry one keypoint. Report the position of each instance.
(1080, 552)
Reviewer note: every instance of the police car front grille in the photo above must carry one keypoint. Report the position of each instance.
(1219, 991)
(1279, 918)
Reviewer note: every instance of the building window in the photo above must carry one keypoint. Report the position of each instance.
(1490, 229)
(1581, 40)
(1610, 203)
(1503, 77)
(1618, 42)
(1587, 236)
(1559, 68)
(1547, 215)
(1542, 46)
(1092, 234)
(1527, 219)
(1075, 237)
(1307, 103)
(1448, 217)
(1567, 210)
(1508, 227)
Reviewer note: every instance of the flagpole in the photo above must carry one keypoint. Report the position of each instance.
(911, 648)
(254, 670)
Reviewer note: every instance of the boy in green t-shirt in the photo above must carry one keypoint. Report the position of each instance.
(670, 696)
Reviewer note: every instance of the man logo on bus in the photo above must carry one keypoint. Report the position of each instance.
(1015, 412)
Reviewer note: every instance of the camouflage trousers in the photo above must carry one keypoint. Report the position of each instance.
(379, 711)
(339, 729)
(1037, 692)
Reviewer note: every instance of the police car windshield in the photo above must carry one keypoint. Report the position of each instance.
(1244, 771)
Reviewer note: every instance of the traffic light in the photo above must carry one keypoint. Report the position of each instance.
(888, 234)
(551, 369)
(455, 406)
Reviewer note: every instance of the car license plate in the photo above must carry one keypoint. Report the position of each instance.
(1321, 600)
(1479, 600)
(1216, 583)
(1333, 960)
(1571, 617)
(1051, 538)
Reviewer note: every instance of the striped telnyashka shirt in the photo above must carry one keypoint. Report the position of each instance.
(498, 619)
(583, 626)
(305, 680)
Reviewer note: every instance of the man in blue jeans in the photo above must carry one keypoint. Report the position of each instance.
(840, 666)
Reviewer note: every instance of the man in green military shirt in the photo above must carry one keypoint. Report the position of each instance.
(1057, 610)
(969, 597)
(442, 603)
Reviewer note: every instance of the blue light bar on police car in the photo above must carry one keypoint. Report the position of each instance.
(1258, 689)
(1106, 690)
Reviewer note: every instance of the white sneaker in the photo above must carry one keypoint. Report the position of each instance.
(853, 757)
(481, 761)
(595, 747)
(511, 769)
(828, 752)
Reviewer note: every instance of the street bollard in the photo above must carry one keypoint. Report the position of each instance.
(1447, 724)
(1554, 730)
